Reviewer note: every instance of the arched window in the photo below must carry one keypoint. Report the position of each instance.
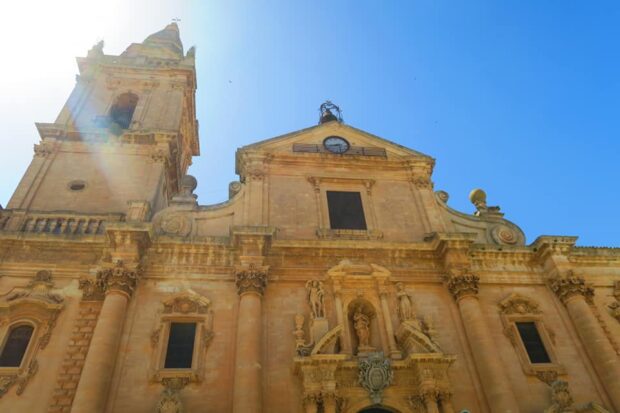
(15, 346)
(122, 110)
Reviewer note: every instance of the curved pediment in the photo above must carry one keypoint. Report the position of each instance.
(488, 223)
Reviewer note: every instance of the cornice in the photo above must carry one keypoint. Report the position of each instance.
(102, 135)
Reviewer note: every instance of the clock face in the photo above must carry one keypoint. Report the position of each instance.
(336, 144)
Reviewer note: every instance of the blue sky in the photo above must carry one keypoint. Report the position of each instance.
(520, 98)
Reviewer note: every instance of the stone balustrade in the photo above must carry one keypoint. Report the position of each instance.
(56, 223)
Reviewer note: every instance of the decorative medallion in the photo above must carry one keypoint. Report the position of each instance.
(178, 224)
(375, 375)
(503, 234)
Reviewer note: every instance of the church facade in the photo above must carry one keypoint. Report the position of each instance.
(335, 278)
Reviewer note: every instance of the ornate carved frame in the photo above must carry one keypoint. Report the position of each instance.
(185, 307)
(35, 305)
(518, 308)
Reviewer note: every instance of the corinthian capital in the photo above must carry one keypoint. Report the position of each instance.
(463, 285)
(570, 285)
(251, 279)
(118, 278)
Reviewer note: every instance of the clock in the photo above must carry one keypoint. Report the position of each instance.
(336, 144)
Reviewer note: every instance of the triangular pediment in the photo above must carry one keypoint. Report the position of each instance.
(315, 135)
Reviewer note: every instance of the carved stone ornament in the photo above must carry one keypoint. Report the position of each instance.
(560, 397)
(116, 278)
(183, 306)
(43, 149)
(37, 301)
(187, 303)
(571, 285)
(170, 400)
(405, 307)
(518, 304)
(562, 401)
(316, 298)
(503, 234)
(375, 374)
(251, 279)
(463, 285)
(413, 338)
(614, 306)
(175, 224)
(422, 182)
(547, 376)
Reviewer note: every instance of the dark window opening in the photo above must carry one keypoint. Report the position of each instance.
(345, 210)
(180, 346)
(122, 111)
(533, 343)
(15, 346)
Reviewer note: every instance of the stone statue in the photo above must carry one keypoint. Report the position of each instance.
(316, 295)
(361, 323)
(405, 308)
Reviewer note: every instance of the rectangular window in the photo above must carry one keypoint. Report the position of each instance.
(345, 210)
(180, 346)
(15, 346)
(533, 343)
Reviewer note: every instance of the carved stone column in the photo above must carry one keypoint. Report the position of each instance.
(429, 397)
(329, 403)
(346, 337)
(445, 402)
(385, 309)
(311, 403)
(576, 295)
(497, 388)
(251, 281)
(118, 283)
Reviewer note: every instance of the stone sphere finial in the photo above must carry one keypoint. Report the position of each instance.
(188, 184)
(479, 198)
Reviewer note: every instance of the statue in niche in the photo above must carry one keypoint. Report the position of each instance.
(405, 308)
(316, 297)
(361, 323)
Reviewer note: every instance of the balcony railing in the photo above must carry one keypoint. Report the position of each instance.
(56, 223)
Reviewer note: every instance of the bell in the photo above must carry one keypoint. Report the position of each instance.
(327, 116)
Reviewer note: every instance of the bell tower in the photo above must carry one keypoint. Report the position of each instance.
(126, 134)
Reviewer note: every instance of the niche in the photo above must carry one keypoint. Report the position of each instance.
(363, 327)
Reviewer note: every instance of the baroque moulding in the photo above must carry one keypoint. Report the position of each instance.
(40, 305)
(503, 234)
(518, 308)
(187, 306)
(430, 380)
(43, 149)
(562, 401)
(116, 278)
(463, 285)
(170, 400)
(187, 303)
(518, 304)
(413, 335)
(571, 285)
(375, 374)
(422, 182)
(614, 307)
(251, 279)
